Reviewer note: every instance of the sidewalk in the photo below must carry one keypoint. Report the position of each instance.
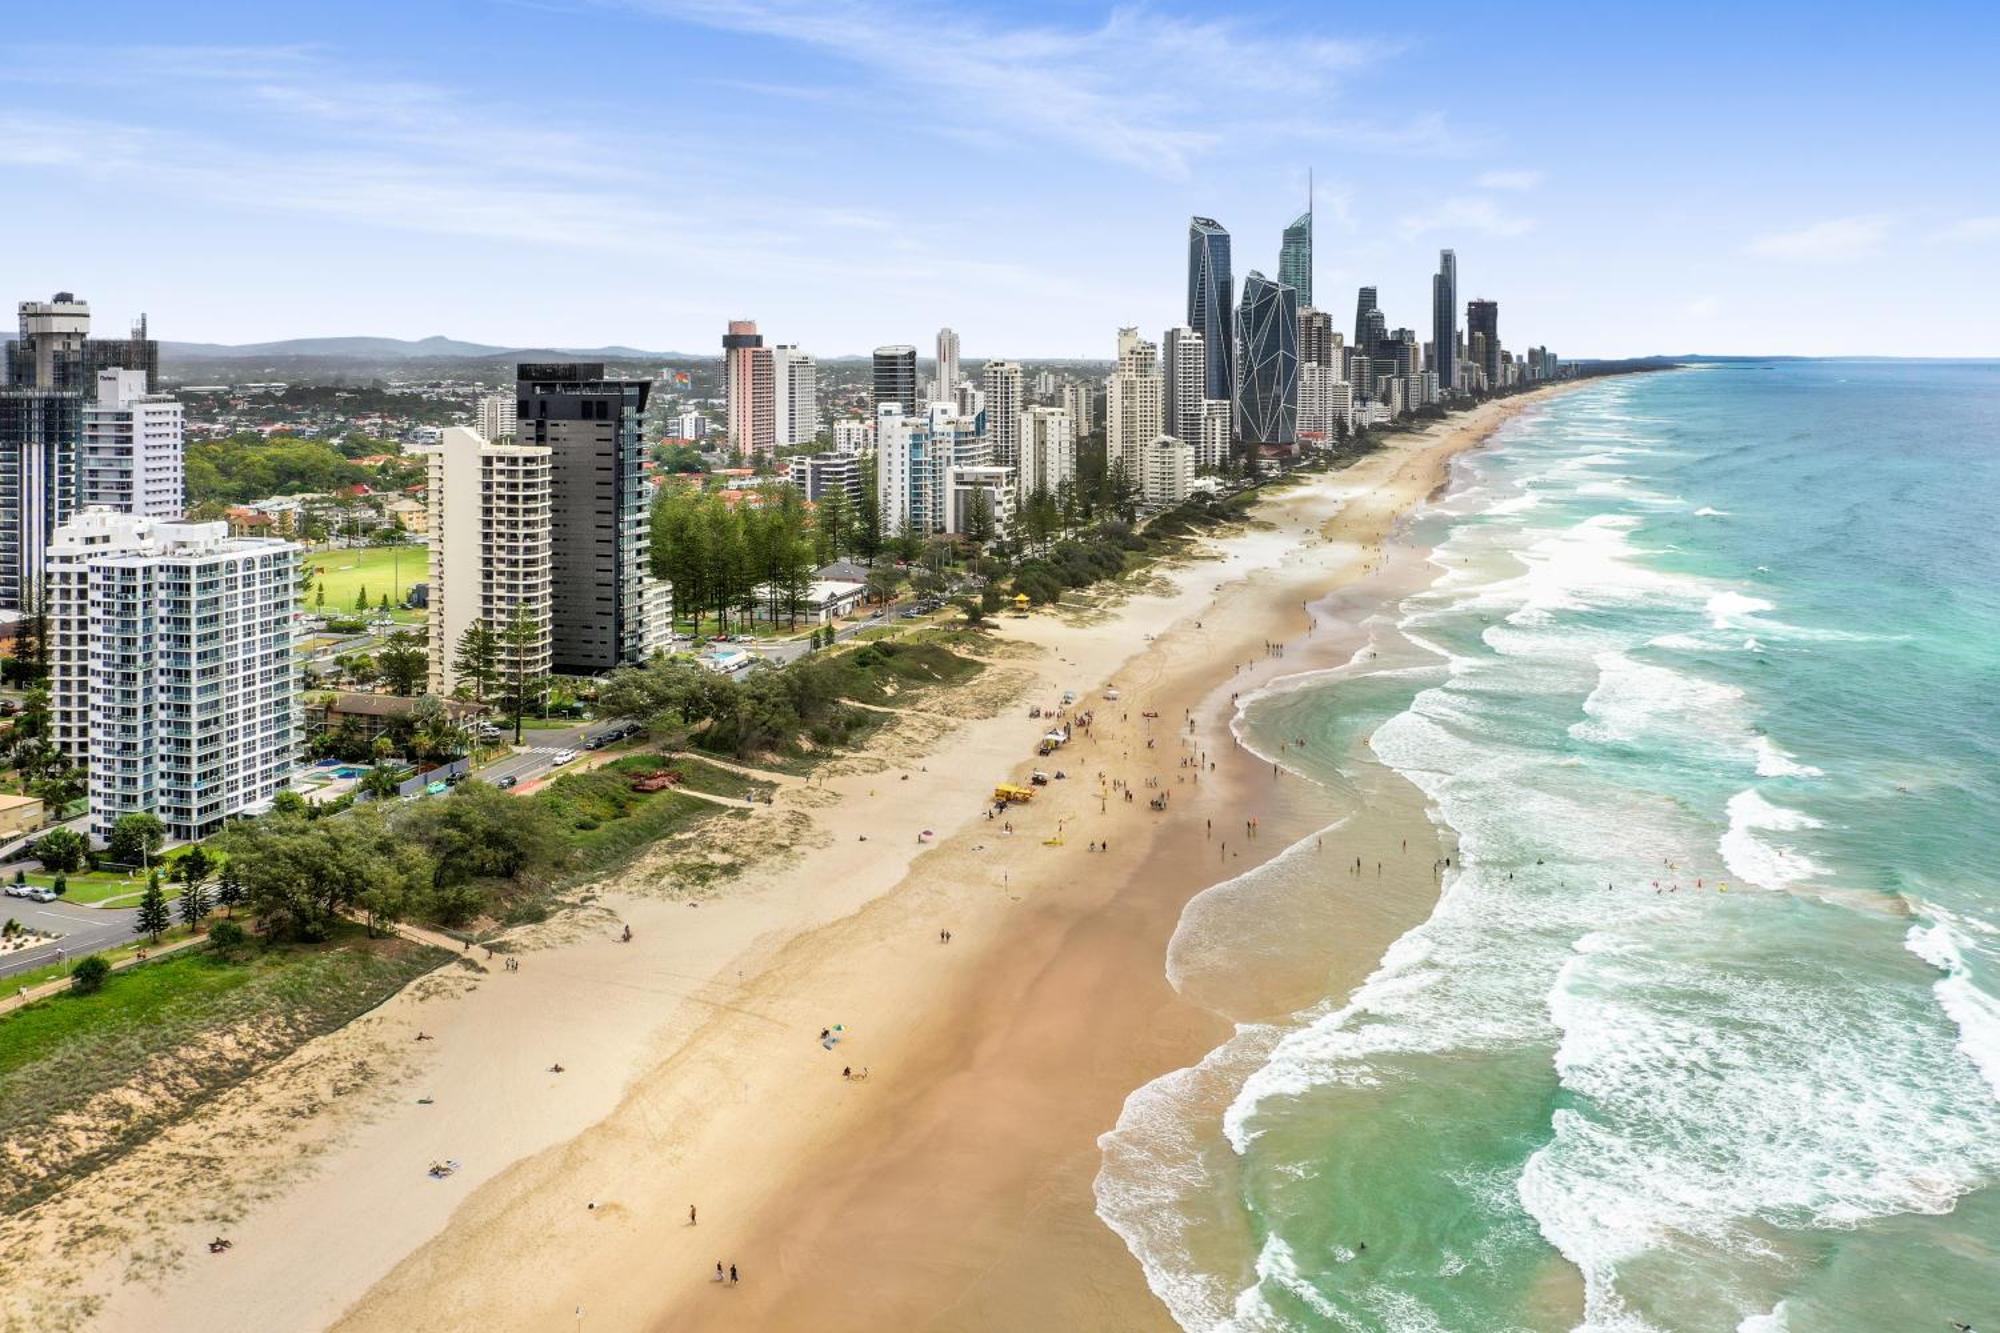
(25, 995)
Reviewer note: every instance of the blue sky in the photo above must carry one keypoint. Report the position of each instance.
(1800, 178)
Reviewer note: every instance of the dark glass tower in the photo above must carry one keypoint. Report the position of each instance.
(1444, 320)
(1295, 257)
(1364, 305)
(1267, 326)
(600, 521)
(896, 378)
(1209, 305)
(1484, 317)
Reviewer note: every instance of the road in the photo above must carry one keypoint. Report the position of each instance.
(83, 930)
(538, 758)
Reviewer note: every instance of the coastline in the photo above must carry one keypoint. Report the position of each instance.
(954, 1187)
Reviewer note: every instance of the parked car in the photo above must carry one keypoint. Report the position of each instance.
(17, 890)
(36, 893)
(563, 757)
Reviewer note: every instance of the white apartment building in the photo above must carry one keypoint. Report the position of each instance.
(1133, 408)
(171, 667)
(795, 388)
(494, 416)
(853, 437)
(1218, 425)
(907, 475)
(1185, 375)
(489, 516)
(1165, 474)
(1004, 383)
(946, 383)
(814, 475)
(132, 442)
(657, 598)
(1326, 402)
(965, 487)
(688, 425)
(1080, 401)
(1048, 450)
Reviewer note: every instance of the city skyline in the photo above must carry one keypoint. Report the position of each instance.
(291, 209)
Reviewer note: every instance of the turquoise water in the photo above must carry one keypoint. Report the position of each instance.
(1703, 1032)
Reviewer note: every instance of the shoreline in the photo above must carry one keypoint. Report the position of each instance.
(954, 1186)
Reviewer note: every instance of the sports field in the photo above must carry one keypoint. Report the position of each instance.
(376, 570)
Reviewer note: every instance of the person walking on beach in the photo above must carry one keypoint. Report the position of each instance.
(718, 1270)
(732, 1275)
(690, 1214)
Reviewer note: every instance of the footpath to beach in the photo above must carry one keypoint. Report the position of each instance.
(949, 1189)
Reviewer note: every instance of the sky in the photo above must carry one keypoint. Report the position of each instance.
(1812, 179)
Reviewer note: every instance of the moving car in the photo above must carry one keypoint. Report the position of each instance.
(507, 780)
(563, 757)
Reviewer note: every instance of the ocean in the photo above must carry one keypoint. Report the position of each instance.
(1703, 1032)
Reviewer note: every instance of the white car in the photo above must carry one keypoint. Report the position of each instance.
(563, 757)
(36, 893)
(17, 890)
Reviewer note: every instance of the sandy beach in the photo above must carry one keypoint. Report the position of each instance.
(950, 1188)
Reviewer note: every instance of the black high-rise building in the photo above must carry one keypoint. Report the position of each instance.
(1364, 306)
(600, 516)
(1210, 304)
(896, 378)
(1267, 326)
(1444, 320)
(1484, 317)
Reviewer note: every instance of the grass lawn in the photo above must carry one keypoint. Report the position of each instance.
(605, 821)
(696, 774)
(153, 1039)
(344, 574)
(98, 888)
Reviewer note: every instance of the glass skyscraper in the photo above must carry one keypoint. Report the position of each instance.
(1444, 320)
(1209, 304)
(1267, 327)
(1295, 257)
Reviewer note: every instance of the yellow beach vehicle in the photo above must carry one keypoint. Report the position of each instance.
(1008, 794)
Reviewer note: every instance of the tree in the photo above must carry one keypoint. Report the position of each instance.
(60, 884)
(289, 802)
(477, 660)
(194, 868)
(319, 598)
(882, 582)
(229, 887)
(60, 849)
(975, 614)
(382, 780)
(835, 521)
(519, 639)
(60, 788)
(979, 522)
(301, 876)
(361, 598)
(194, 905)
(867, 540)
(153, 918)
(135, 838)
(403, 662)
(88, 976)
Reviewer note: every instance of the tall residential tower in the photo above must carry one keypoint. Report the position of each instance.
(1211, 303)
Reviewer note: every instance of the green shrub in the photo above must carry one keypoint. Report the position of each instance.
(87, 977)
(226, 935)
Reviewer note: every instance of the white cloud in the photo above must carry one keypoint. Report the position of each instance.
(1970, 229)
(1473, 213)
(1833, 241)
(1510, 180)
(1124, 90)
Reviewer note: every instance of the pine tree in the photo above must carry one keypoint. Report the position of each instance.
(153, 918)
(229, 887)
(194, 905)
(477, 660)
